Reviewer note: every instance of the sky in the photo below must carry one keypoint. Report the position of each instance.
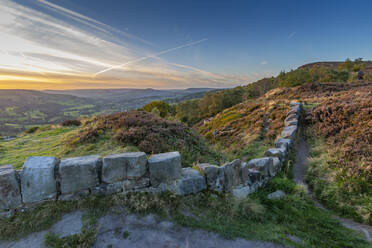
(167, 44)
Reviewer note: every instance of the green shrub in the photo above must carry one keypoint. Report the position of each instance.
(31, 130)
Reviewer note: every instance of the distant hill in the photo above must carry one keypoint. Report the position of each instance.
(334, 64)
(21, 109)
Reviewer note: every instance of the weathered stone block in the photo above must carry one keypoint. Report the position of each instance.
(277, 165)
(136, 184)
(74, 196)
(264, 165)
(244, 173)
(38, 180)
(275, 152)
(164, 168)
(119, 167)
(289, 132)
(214, 175)
(191, 182)
(255, 176)
(108, 189)
(10, 194)
(291, 120)
(79, 173)
(295, 110)
(283, 143)
(232, 174)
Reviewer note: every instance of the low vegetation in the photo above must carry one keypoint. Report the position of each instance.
(246, 130)
(341, 167)
(253, 218)
(116, 133)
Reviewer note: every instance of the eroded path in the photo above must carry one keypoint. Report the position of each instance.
(299, 169)
(121, 230)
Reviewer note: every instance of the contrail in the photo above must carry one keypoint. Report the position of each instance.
(149, 56)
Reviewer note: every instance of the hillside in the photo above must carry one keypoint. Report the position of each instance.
(236, 123)
(108, 134)
(335, 64)
(21, 109)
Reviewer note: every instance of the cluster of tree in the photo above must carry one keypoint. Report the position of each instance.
(160, 108)
(193, 111)
(344, 72)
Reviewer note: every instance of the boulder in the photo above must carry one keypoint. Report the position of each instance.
(164, 168)
(289, 132)
(263, 165)
(275, 152)
(80, 173)
(119, 167)
(214, 175)
(191, 182)
(276, 195)
(232, 174)
(283, 143)
(38, 180)
(10, 194)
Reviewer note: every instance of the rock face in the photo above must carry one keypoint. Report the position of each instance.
(38, 180)
(289, 132)
(124, 166)
(191, 182)
(164, 168)
(214, 175)
(79, 173)
(10, 195)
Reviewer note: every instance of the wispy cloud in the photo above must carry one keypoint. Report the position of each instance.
(290, 36)
(264, 62)
(41, 50)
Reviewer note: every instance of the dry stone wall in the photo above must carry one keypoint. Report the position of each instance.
(48, 178)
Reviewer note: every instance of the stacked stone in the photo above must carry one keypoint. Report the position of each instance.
(48, 178)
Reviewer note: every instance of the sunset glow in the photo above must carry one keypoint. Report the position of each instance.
(50, 46)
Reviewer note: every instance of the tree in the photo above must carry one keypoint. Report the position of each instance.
(162, 107)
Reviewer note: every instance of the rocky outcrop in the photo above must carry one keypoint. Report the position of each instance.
(47, 178)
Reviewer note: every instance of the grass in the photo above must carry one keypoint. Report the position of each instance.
(154, 136)
(332, 188)
(253, 218)
(53, 141)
